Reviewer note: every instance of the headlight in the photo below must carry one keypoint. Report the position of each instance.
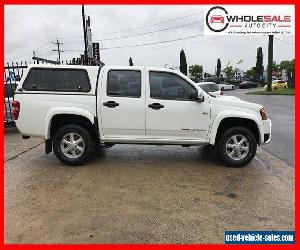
(263, 114)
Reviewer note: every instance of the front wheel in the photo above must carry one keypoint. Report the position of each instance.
(73, 145)
(236, 147)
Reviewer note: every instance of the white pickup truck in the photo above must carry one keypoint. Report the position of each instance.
(76, 108)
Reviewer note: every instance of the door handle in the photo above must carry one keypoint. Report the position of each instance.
(156, 106)
(111, 104)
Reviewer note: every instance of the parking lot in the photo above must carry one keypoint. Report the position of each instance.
(149, 194)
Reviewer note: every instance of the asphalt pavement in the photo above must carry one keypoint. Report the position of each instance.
(281, 111)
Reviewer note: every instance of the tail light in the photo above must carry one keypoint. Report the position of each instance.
(15, 109)
(221, 93)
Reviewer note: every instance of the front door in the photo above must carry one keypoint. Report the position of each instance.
(172, 114)
(122, 104)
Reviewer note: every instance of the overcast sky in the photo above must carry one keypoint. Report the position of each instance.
(34, 27)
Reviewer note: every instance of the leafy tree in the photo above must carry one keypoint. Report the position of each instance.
(289, 66)
(251, 73)
(219, 66)
(206, 75)
(275, 66)
(259, 63)
(183, 64)
(228, 71)
(196, 72)
(130, 61)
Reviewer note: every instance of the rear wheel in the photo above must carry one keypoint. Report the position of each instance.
(73, 145)
(236, 147)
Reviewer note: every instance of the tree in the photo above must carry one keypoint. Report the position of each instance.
(289, 66)
(183, 64)
(207, 75)
(219, 66)
(228, 71)
(275, 66)
(196, 72)
(251, 73)
(130, 61)
(259, 63)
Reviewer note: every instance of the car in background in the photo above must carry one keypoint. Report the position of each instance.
(277, 84)
(9, 91)
(225, 86)
(247, 85)
(211, 88)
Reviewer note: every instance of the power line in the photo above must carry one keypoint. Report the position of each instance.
(150, 32)
(140, 27)
(143, 33)
(159, 42)
(146, 44)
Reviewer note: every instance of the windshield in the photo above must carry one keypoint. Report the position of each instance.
(9, 90)
(209, 87)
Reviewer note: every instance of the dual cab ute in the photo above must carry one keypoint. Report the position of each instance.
(76, 108)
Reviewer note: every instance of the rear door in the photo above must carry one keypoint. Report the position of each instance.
(122, 104)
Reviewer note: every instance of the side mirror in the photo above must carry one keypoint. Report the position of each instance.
(199, 97)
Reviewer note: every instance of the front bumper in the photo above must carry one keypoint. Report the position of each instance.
(265, 131)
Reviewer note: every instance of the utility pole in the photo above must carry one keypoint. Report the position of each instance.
(58, 49)
(270, 62)
(84, 34)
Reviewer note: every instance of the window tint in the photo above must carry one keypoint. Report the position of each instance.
(124, 83)
(9, 90)
(170, 86)
(57, 80)
(209, 87)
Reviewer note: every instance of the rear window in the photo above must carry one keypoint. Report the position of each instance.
(72, 80)
(209, 87)
(9, 90)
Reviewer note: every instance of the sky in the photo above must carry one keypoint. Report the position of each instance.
(31, 28)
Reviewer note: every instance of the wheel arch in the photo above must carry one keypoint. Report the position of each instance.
(226, 121)
(58, 117)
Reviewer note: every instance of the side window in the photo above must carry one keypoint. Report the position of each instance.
(169, 86)
(124, 83)
(57, 80)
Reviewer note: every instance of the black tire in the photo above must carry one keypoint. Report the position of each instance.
(89, 145)
(221, 146)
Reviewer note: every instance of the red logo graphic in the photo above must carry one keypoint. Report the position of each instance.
(216, 19)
